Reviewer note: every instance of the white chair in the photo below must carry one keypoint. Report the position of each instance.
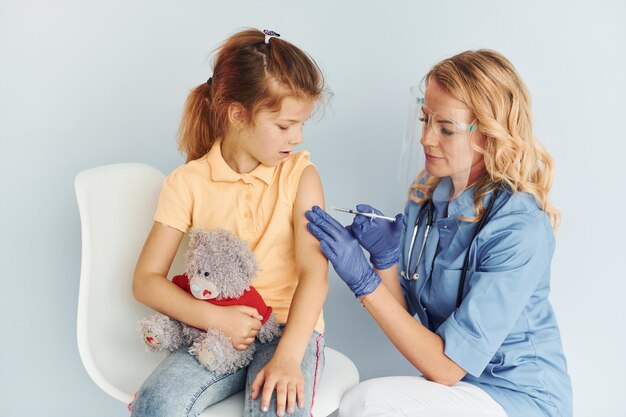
(116, 205)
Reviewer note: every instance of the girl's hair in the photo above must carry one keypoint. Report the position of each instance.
(248, 71)
(488, 84)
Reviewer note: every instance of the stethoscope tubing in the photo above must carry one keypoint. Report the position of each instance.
(415, 276)
(429, 207)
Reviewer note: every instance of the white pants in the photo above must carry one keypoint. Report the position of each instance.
(408, 396)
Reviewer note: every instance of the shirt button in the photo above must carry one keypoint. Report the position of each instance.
(246, 215)
(445, 226)
(248, 196)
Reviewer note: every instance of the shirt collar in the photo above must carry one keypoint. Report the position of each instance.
(462, 205)
(221, 171)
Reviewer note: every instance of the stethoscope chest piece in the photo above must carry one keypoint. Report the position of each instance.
(413, 277)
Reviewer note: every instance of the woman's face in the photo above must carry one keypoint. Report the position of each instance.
(447, 138)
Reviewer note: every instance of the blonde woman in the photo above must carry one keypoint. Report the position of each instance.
(470, 258)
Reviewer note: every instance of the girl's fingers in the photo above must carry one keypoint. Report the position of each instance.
(300, 395)
(281, 398)
(257, 384)
(251, 311)
(266, 396)
(291, 398)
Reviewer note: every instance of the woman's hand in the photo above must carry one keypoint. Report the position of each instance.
(285, 376)
(240, 323)
(380, 237)
(343, 251)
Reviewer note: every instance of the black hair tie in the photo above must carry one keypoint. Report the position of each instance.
(209, 81)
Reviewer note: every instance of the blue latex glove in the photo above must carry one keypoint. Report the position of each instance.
(380, 237)
(343, 251)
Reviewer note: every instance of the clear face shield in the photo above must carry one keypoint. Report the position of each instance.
(438, 138)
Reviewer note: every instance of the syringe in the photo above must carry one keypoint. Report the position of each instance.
(372, 215)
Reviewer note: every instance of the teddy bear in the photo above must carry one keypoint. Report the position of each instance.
(219, 269)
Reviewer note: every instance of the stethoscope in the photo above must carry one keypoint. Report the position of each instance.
(429, 206)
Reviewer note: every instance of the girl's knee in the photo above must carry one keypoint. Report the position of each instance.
(156, 400)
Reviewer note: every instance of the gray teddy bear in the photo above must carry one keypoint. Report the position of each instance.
(219, 269)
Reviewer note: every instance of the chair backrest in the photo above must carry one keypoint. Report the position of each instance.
(116, 205)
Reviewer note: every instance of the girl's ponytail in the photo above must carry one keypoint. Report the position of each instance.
(195, 136)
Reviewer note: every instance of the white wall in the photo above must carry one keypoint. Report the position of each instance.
(85, 83)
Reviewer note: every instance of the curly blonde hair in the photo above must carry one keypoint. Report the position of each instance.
(489, 85)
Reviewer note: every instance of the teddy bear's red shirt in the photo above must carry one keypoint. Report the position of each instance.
(250, 298)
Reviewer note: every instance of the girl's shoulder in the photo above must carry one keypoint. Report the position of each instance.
(290, 170)
(187, 178)
(298, 159)
(196, 168)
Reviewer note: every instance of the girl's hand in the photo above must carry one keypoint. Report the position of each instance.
(284, 375)
(240, 323)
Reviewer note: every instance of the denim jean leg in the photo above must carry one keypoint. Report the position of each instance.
(312, 366)
(180, 387)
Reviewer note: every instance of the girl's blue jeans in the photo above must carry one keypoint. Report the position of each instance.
(180, 387)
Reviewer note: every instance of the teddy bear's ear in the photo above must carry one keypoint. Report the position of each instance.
(198, 237)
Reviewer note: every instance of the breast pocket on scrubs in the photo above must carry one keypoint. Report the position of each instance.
(443, 290)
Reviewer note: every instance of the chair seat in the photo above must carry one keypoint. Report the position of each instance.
(339, 375)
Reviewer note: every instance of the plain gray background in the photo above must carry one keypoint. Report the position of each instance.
(87, 83)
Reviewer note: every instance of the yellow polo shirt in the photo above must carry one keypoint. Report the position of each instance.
(257, 207)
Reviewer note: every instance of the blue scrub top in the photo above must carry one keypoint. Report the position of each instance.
(504, 334)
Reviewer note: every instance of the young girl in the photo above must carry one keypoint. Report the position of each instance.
(474, 252)
(239, 131)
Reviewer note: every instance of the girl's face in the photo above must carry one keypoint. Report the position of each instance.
(447, 147)
(274, 134)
